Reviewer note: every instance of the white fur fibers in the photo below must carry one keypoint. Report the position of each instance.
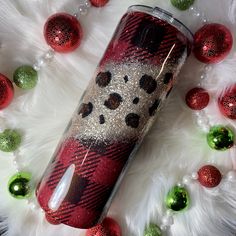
(176, 146)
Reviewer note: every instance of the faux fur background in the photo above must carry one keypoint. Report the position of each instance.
(176, 146)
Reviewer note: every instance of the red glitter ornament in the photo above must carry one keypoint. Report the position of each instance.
(209, 176)
(6, 91)
(227, 103)
(197, 98)
(63, 32)
(212, 43)
(108, 227)
(99, 3)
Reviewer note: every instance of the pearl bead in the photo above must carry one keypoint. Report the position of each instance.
(180, 184)
(187, 179)
(39, 64)
(169, 212)
(88, 4)
(83, 10)
(49, 54)
(164, 227)
(168, 220)
(231, 176)
(194, 175)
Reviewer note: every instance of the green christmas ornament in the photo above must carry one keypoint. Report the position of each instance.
(182, 4)
(25, 77)
(19, 185)
(220, 138)
(9, 140)
(178, 199)
(152, 230)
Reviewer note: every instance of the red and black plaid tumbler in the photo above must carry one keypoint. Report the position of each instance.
(134, 77)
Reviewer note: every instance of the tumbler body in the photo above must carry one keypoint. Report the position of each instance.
(134, 77)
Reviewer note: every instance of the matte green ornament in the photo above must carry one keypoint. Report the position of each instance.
(25, 77)
(178, 199)
(220, 138)
(19, 185)
(152, 230)
(182, 4)
(10, 140)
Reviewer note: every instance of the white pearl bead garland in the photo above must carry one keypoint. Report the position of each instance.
(83, 9)
(231, 176)
(44, 60)
(197, 13)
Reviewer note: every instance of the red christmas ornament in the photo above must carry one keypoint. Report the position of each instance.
(99, 3)
(108, 227)
(63, 32)
(227, 103)
(212, 43)
(6, 91)
(209, 176)
(197, 98)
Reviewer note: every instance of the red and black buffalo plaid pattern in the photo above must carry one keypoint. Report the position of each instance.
(144, 38)
(95, 176)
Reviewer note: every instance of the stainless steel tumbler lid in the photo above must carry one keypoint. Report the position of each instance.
(164, 15)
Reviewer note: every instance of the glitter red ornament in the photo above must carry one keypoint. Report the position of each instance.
(63, 32)
(209, 176)
(6, 91)
(227, 102)
(99, 3)
(108, 227)
(197, 98)
(212, 43)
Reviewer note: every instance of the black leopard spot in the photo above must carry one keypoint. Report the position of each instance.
(153, 108)
(85, 109)
(113, 101)
(168, 78)
(103, 79)
(101, 119)
(132, 120)
(126, 78)
(148, 84)
(136, 100)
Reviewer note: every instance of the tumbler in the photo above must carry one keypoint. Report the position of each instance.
(119, 106)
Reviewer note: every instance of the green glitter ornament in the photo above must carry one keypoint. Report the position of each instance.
(182, 4)
(152, 230)
(25, 77)
(19, 185)
(10, 140)
(220, 138)
(178, 199)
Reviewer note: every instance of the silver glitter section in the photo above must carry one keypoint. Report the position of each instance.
(115, 127)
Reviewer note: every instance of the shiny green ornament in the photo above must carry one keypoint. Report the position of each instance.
(178, 199)
(10, 140)
(182, 4)
(220, 138)
(25, 77)
(152, 230)
(19, 185)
